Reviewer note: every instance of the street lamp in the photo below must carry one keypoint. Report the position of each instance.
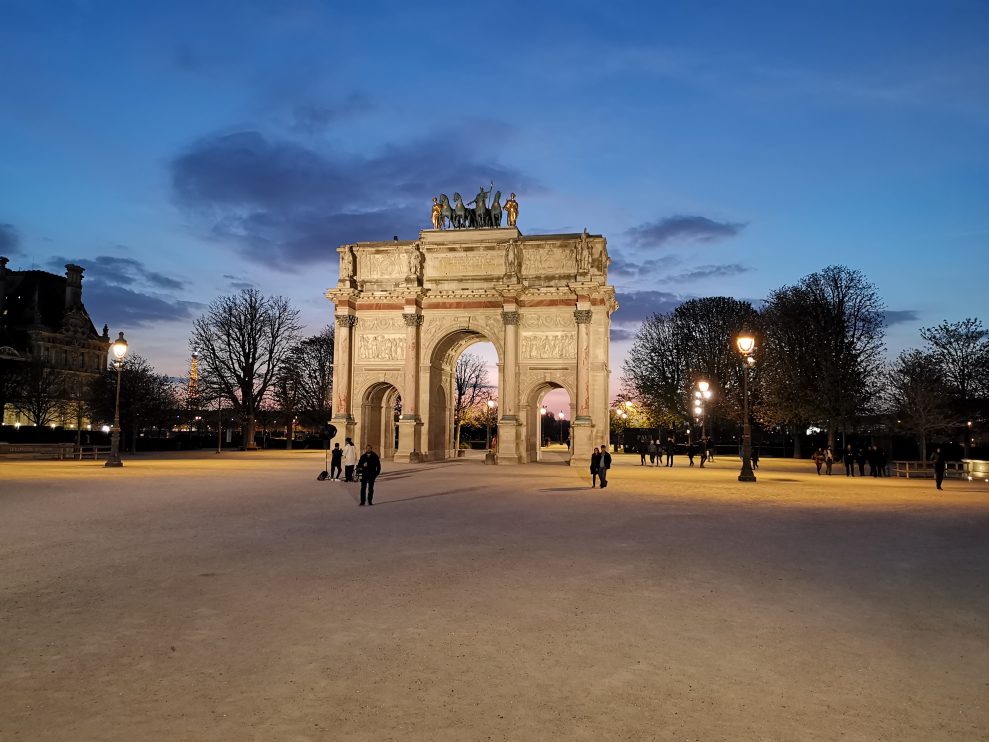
(542, 434)
(119, 350)
(489, 457)
(559, 417)
(746, 345)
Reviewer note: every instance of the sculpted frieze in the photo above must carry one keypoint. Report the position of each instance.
(464, 264)
(547, 260)
(372, 324)
(539, 345)
(383, 348)
(548, 320)
(373, 266)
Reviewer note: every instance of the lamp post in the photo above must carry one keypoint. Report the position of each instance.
(219, 423)
(746, 345)
(489, 457)
(701, 395)
(119, 349)
(559, 417)
(542, 434)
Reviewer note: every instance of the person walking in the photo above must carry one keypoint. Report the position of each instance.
(605, 465)
(652, 452)
(940, 464)
(704, 455)
(642, 453)
(669, 450)
(595, 466)
(336, 460)
(828, 460)
(710, 449)
(691, 452)
(370, 467)
(818, 459)
(849, 458)
(349, 460)
(753, 457)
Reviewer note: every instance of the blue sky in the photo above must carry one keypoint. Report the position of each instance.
(183, 150)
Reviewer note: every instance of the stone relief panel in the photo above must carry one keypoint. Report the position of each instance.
(542, 260)
(540, 345)
(375, 266)
(563, 320)
(376, 324)
(464, 264)
(364, 380)
(381, 348)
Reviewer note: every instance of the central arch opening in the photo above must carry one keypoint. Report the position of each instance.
(464, 377)
(380, 411)
(550, 412)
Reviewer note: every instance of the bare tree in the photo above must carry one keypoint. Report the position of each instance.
(242, 341)
(918, 396)
(961, 351)
(314, 357)
(40, 393)
(825, 346)
(147, 398)
(471, 381)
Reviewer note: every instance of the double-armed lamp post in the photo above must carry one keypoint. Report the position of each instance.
(746, 346)
(701, 395)
(119, 350)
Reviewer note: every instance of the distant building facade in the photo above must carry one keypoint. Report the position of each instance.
(43, 319)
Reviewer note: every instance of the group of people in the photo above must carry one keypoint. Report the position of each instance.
(657, 451)
(600, 463)
(367, 468)
(875, 456)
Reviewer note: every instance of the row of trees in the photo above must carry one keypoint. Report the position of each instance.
(819, 362)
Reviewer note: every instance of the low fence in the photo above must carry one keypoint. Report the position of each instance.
(37, 450)
(925, 470)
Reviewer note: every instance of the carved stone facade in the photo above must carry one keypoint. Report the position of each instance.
(407, 310)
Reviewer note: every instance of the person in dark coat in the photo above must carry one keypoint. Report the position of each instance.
(642, 453)
(753, 457)
(818, 459)
(691, 452)
(860, 460)
(849, 459)
(595, 466)
(336, 462)
(670, 443)
(940, 464)
(369, 465)
(605, 465)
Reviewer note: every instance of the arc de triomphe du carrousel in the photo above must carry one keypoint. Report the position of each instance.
(406, 310)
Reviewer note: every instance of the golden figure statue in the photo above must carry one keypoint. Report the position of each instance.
(437, 213)
(512, 209)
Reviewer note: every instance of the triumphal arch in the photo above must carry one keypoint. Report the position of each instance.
(405, 310)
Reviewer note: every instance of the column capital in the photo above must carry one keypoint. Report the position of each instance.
(412, 320)
(583, 316)
(347, 320)
(510, 318)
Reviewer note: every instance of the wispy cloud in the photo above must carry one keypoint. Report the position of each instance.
(682, 229)
(703, 272)
(900, 316)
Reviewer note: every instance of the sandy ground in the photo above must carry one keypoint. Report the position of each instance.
(234, 597)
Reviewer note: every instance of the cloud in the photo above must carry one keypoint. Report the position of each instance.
(287, 205)
(120, 271)
(239, 283)
(119, 289)
(622, 268)
(900, 316)
(702, 272)
(682, 229)
(620, 334)
(10, 240)
(635, 306)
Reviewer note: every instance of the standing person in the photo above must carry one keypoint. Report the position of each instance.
(753, 457)
(940, 464)
(704, 456)
(860, 460)
(349, 459)
(595, 466)
(605, 465)
(710, 449)
(691, 452)
(642, 453)
(849, 459)
(828, 459)
(669, 451)
(370, 467)
(818, 459)
(336, 459)
(652, 452)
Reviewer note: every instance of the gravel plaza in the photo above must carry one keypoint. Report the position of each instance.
(234, 597)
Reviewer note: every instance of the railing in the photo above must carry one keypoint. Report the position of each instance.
(92, 452)
(38, 450)
(925, 469)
